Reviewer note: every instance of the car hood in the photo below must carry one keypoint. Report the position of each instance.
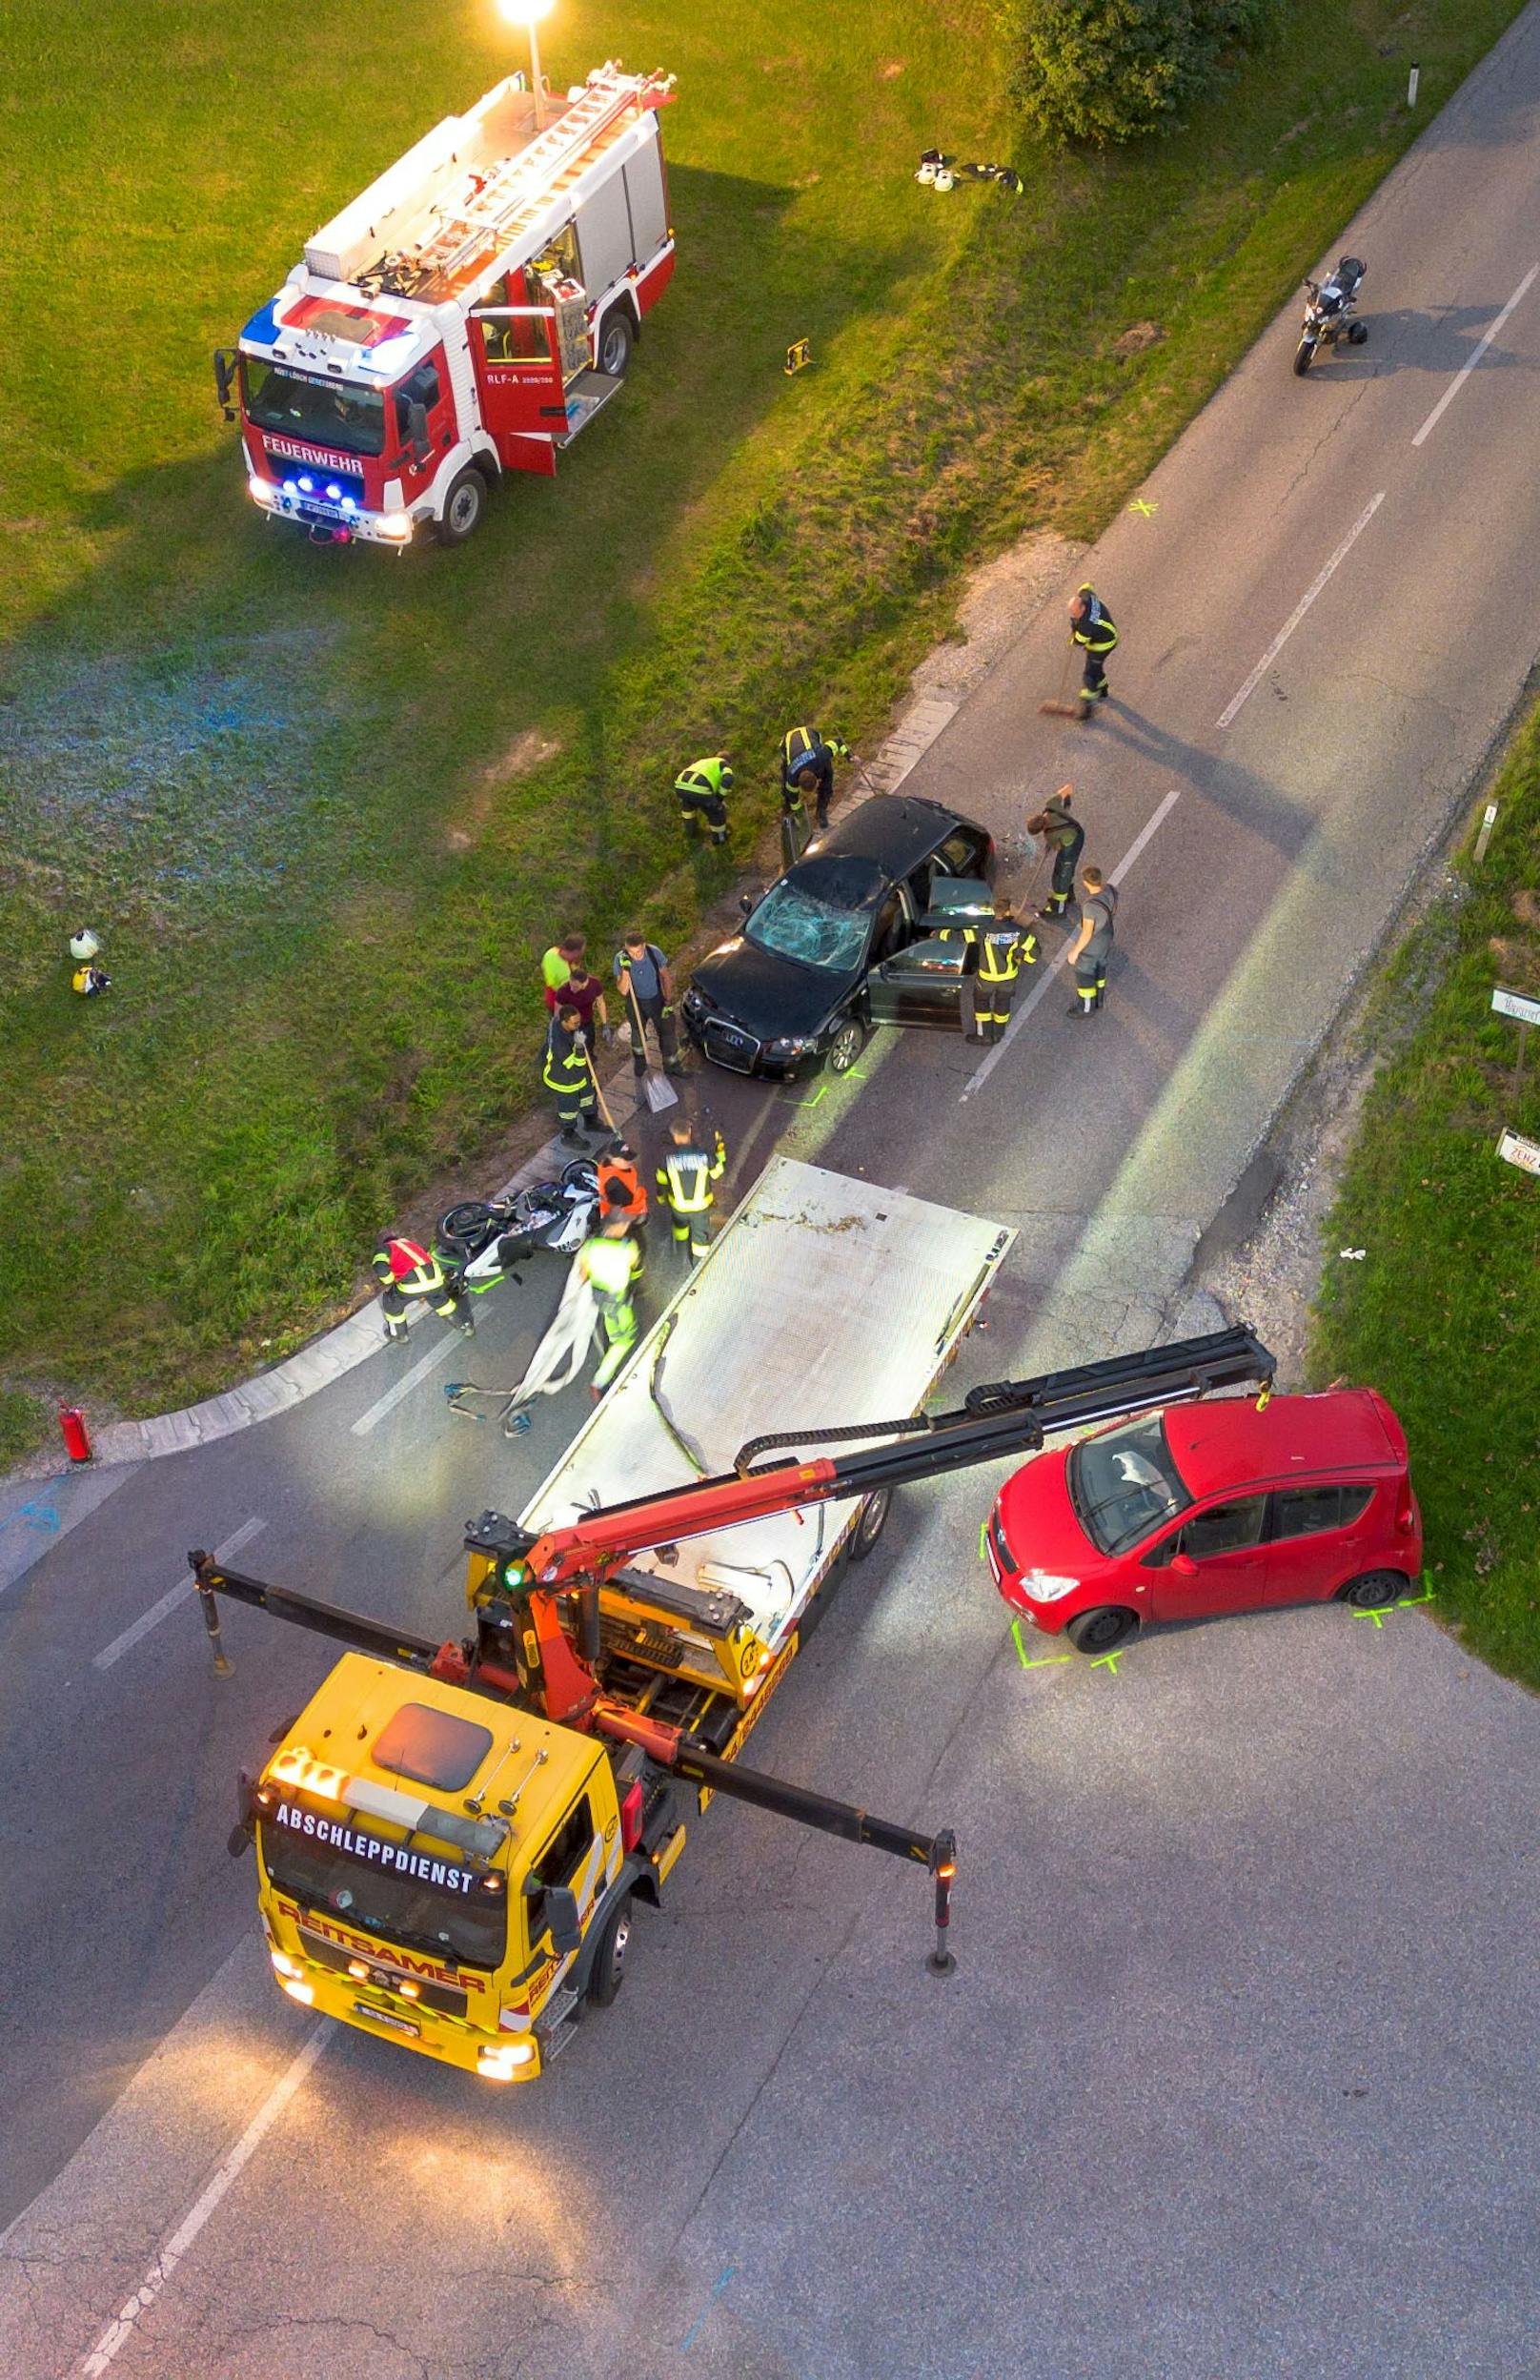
(772, 997)
(1037, 1520)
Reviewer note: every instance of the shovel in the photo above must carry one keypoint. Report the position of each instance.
(1059, 709)
(657, 1093)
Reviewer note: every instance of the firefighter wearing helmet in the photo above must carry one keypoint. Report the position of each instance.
(407, 1274)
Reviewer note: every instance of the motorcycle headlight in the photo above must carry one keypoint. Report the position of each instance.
(1046, 1586)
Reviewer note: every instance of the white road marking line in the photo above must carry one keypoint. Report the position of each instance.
(981, 1073)
(1301, 608)
(1476, 354)
(117, 2334)
(174, 1595)
(408, 1381)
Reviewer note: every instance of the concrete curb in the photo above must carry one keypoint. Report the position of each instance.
(347, 1344)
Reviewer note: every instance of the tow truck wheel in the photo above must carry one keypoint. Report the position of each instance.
(463, 507)
(608, 1971)
(1374, 1590)
(616, 339)
(1098, 1632)
(846, 1046)
(870, 1523)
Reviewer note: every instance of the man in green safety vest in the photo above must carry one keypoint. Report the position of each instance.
(610, 1265)
(1005, 948)
(684, 1186)
(568, 1076)
(701, 789)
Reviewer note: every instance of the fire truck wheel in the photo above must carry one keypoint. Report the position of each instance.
(870, 1523)
(1098, 1631)
(608, 1971)
(463, 507)
(616, 339)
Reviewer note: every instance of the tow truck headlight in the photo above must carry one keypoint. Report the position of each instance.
(262, 492)
(296, 1989)
(1045, 1586)
(500, 2063)
(283, 1966)
(397, 526)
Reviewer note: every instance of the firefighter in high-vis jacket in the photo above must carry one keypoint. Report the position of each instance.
(410, 1274)
(610, 1265)
(701, 789)
(807, 754)
(685, 1180)
(1005, 948)
(1091, 627)
(567, 1075)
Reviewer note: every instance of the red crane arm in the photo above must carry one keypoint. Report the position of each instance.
(598, 1544)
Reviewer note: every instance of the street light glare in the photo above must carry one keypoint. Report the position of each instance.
(525, 11)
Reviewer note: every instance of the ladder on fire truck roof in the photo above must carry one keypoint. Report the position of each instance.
(527, 183)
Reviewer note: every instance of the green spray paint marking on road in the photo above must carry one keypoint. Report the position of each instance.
(1404, 1603)
(984, 1558)
(1107, 1660)
(1378, 1617)
(1408, 1600)
(1139, 505)
(1047, 1659)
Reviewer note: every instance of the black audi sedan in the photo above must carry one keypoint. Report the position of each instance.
(854, 935)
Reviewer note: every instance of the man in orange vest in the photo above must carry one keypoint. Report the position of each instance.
(621, 1192)
(408, 1273)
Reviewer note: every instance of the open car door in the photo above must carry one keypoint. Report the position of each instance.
(921, 986)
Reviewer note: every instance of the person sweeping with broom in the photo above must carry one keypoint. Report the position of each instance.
(646, 991)
(1092, 628)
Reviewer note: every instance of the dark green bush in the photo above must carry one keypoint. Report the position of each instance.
(1105, 70)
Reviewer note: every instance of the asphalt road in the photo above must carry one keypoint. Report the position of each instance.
(1236, 2075)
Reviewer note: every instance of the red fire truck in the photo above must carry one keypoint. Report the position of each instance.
(468, 315)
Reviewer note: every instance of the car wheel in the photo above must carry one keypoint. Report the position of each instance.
(846, 1046)
(607, 1973)
(870, 1523)
(463, 507)
(1098, 1631)
(1374, 1590)
(616, 339)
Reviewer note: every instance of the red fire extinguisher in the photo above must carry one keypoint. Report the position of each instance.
(77, 1438)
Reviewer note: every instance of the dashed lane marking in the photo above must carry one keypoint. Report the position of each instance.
(1474, 357)
(172, 1597)
(439, 1353)
(1301, 608)
(118, 2333)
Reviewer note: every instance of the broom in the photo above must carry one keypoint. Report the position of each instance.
(657, 1093)
(1059, 709)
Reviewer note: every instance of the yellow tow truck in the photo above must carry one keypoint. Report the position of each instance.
(453, 1837)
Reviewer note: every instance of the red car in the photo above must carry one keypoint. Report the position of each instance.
(1207, 1508)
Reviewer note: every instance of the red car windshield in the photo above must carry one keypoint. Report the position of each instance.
(1124, 1484)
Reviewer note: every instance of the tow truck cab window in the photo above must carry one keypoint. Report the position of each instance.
(559, 1864)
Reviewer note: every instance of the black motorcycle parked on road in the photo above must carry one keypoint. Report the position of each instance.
(1332, 314)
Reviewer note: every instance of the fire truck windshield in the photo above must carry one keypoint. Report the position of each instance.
(337, 414)
(469, 1928)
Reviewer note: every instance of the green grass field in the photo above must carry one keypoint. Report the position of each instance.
(325, 807)
(1442, 1313)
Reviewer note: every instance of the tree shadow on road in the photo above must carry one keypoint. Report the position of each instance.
(1239, 792)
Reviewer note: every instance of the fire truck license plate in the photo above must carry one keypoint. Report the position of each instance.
(383, 2016)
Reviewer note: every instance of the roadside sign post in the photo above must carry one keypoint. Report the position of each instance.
(1517, 1150)
(1526, 1012)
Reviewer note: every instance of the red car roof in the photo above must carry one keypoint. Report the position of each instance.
(1227, 1443)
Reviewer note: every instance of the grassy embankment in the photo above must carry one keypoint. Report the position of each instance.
(1442, 1313)
(325, 808)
